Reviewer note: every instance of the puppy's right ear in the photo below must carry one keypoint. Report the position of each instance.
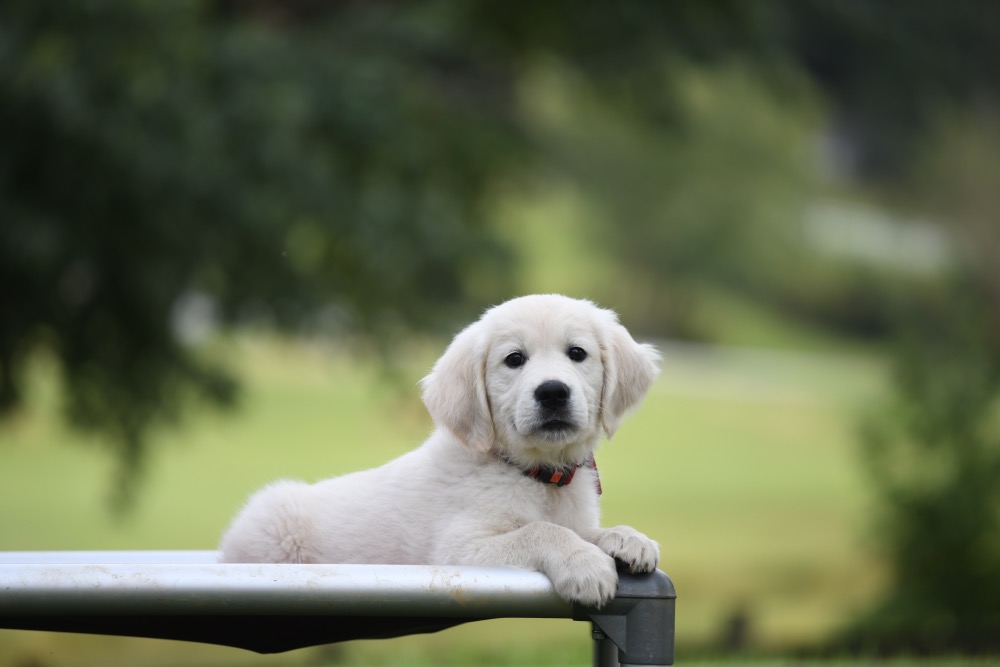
(455, 390)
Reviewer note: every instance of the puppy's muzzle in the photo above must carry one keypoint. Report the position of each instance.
(552, 397)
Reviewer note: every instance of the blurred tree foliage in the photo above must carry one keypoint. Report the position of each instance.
(154, 151)
(934, 457)
(888, 66)
(700, 134)
(715, 196)
(296, 162)
(934, 460)
(916, 89)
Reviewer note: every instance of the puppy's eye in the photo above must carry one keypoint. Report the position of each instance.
(514, 359)
(577, 353)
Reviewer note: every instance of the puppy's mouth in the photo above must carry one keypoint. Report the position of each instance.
(556, 426)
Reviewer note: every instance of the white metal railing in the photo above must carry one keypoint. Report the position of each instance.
(189, 595)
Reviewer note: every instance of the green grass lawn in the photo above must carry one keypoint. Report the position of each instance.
(743, 465)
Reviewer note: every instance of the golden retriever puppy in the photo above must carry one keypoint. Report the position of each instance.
(520, 400)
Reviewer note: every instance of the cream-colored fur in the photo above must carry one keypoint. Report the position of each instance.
(462, 497)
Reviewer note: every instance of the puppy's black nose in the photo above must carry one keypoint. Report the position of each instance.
(552, 394)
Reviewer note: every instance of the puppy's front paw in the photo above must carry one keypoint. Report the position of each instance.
(587, 577)
(629, 546)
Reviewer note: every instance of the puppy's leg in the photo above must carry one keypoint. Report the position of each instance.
(275, 526)
(580, 571)
(628, 546)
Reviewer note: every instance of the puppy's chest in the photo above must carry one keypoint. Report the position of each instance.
(570, 506)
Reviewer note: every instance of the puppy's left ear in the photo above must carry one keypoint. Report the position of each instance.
(455, 390)
(629, 371)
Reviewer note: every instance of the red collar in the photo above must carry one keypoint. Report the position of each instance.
(563, 476)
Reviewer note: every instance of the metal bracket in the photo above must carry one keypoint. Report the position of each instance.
(639, 621)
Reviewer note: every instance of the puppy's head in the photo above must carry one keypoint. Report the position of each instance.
(538, 378)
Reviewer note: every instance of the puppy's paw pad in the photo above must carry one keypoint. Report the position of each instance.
(630, 547)
(588, 577)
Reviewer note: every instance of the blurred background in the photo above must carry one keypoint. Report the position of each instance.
(235, 234)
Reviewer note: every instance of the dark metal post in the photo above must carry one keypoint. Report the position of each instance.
(605, 651)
